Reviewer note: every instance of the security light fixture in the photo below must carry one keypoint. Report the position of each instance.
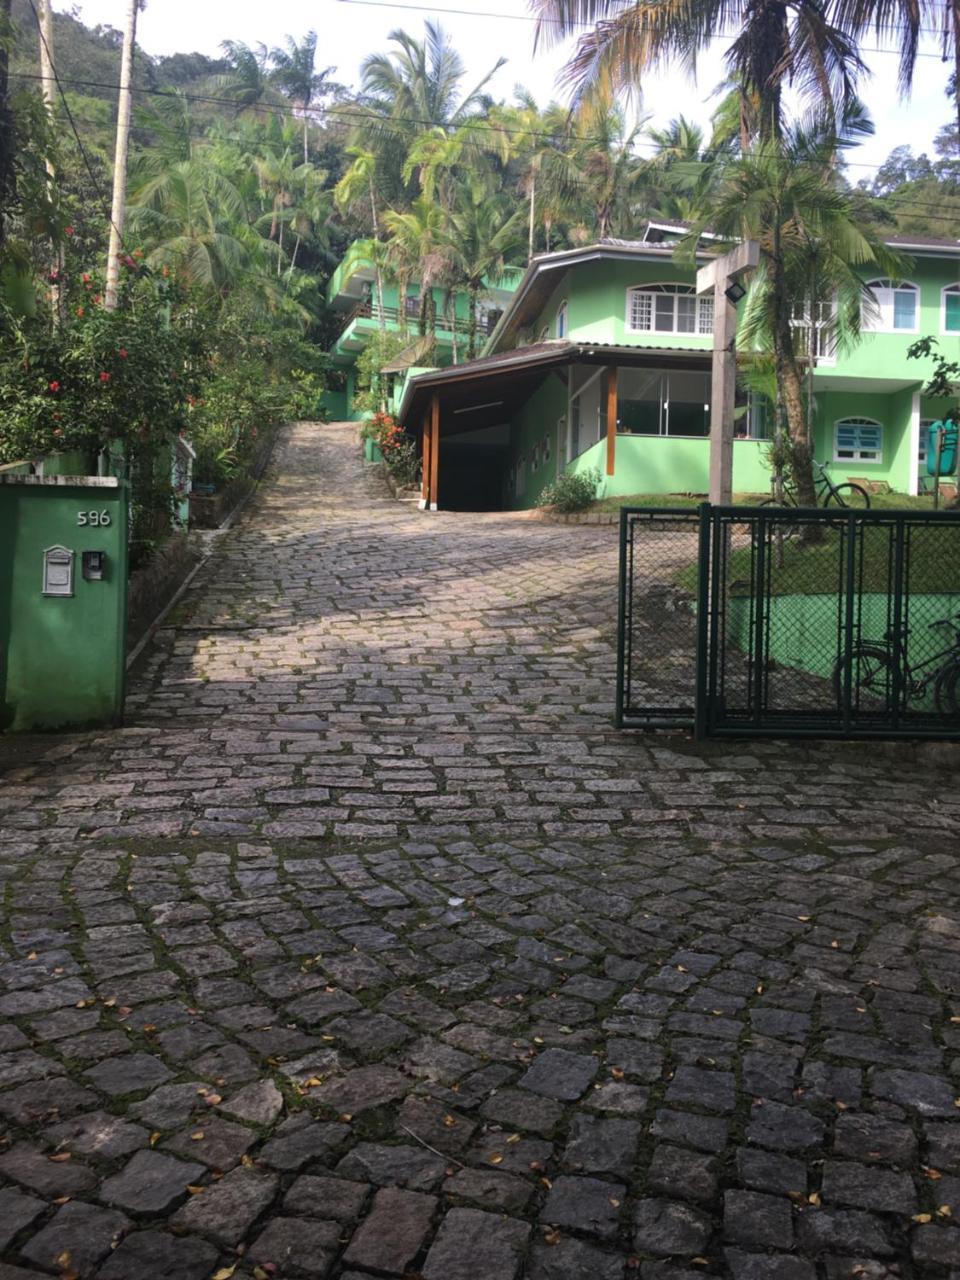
(735, 291)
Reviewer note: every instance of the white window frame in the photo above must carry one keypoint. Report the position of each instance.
(884, 292)
(867, 457)
(703, 313)
(561, 320)
(825, 343)
(952, 289)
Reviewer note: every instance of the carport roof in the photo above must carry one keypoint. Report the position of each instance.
(489, 390)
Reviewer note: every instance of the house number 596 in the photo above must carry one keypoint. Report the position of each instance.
(98, 519)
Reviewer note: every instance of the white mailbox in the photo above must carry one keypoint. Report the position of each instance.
(58, 571)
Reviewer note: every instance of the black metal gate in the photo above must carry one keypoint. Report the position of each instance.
(770, 621)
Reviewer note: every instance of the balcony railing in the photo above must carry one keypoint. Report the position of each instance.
(486, 322)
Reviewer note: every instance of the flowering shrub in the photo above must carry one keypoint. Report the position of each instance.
(99, 376)
(398, 450)
(570, 493)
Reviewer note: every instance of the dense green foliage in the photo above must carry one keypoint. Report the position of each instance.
(569, 493)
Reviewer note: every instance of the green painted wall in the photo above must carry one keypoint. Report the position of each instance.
(597, 306)
(62, 659)
(893, 411)
(803, 628)
(536, 422)
(670, 464)
(335, 403)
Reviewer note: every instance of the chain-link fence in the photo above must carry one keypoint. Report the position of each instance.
(783, 621)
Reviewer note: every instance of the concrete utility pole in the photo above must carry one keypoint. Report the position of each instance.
(124, 108)
(718, 276)
(48, 86)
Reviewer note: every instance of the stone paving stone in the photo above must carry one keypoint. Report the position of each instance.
(522, 1110)
(218, 1143)
(151, 1183)
(332, 814)
(296, 1246)
(97, 1134)
(572, 1259)
(361, 1089)
(291, 1151)
(159, 1256)
(758, 1266)
(225, 1210)
(406, 1166)
(602, 1145)
(490, 1188)
(258, 1103)
(473, 1245)
(131, 1073)
(77, 1238)
(667, 1227)
(560, 1074)
(915, 1090)
(320, 1197)
(17, 1211)
(863, 1187)
(691, 1175)
(584, 1204)
(752, 1218)
(35, 1170)
(391, 1235)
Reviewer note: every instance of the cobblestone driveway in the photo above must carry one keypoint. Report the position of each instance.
(369, 949)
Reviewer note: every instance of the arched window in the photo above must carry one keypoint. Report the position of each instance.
(668, 308)
(562, 320)
(950, 309)
(898, 305)
(857, 440)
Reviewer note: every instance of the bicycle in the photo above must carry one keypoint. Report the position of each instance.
(828, 494)
(875, 663)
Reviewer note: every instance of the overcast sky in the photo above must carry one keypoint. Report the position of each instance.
(350, 29)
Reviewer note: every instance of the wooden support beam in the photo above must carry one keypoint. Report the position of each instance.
(434, 451)
(425, 466)
(611, 419)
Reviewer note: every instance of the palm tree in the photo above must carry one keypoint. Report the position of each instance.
(536, 143)
(610, 172)
(902, 22)
(192, 219)
(294, 72)
(248, 82)
(778, 43)
(785, 194)
(478, 238)
(416, 251)
(413, 88)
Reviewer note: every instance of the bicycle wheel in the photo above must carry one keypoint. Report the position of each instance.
(848, 495)
(946, 691)
(871, 685)
(788, 528)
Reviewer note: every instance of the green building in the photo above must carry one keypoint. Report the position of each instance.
(601, 359)
(354, 293)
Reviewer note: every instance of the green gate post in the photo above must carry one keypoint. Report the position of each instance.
(63, 601)
(700, 716)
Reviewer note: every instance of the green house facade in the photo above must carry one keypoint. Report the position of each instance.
(601, 360)
(367, 303)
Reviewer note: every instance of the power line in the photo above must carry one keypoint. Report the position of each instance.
(529, 17)
(349, 114)
(73, 127)
(931, 212)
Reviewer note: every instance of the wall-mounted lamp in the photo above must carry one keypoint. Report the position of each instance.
(734, 292)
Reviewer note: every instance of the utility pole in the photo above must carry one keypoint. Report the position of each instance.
(720, 278)
(124, 108)
(7, 177)
(48, 86)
